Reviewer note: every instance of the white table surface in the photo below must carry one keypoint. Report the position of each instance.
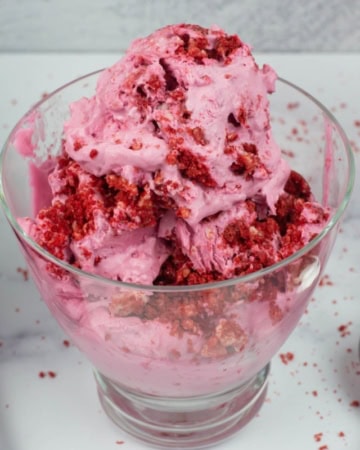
(310, 403)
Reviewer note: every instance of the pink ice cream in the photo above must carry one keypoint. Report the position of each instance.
(175, 147)
(169, 175)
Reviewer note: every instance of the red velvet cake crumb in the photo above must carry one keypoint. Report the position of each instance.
(194, 168)
(297, 186)
(286, 357)
(93, 153)
(24, 273)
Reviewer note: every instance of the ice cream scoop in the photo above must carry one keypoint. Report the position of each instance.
(169, 173)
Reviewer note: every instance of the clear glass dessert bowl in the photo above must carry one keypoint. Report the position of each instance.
(183, 366)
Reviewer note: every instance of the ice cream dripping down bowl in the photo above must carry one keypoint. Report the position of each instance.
(181, 366)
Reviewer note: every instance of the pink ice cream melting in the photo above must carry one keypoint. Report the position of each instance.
(169, 175)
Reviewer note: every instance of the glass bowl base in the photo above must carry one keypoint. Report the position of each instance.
(182, 423)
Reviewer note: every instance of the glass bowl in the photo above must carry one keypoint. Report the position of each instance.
(157, 378)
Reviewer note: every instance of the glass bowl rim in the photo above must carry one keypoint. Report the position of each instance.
(181, 288)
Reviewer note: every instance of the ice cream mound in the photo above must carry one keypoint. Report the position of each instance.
(169, 174)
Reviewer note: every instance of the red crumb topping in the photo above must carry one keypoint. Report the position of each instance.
(245, 164)
(193, 167)
(200, 48)
(78, 145)
(297, 186)
(93, 153)
(198, 135)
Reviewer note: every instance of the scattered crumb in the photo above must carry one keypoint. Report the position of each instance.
(23, 272)
(50, 374)
(293, 105)
(344, 330)
(286, 357)
(325, 281)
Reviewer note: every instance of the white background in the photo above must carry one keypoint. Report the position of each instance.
(276, 25)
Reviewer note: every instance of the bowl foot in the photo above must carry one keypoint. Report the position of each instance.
(182, 423)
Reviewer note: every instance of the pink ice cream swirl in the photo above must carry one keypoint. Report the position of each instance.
(171, 167)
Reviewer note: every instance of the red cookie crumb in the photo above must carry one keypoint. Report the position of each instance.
(194, 168)
(93, 153)
(343, 329)
(325, 281)
(198, 135)
(355, 404)
(23, 272)
(286, 357)
(50, 373)
(293, 105)
(318, 437)
(66, 343)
